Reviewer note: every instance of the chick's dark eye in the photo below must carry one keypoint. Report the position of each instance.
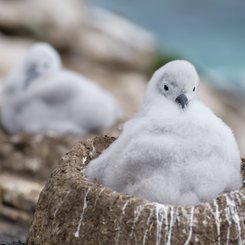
(194, 89)
(166, 87)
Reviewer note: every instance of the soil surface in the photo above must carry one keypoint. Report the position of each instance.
(72, 210)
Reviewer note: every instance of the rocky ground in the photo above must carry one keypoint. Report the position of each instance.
(26, 162)
(88, 46)
(90, 42)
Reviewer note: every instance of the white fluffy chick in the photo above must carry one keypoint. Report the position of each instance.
(41, 60)
(40, 97)
(174, 150)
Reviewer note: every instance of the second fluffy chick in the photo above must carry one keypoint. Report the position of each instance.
(41, 97)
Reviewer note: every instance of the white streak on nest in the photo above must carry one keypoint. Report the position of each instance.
(227, 216)
(137, 214)
(121, 217)
(216, 215)
(96, 200)
(93, 152)
(82, 214)
(84, 159)
(237, 217)
(177, 214)
(170, 225)
(159, 219)
(190, 224)
(241, 194)
(161, 215)
(166, 220)
(232, 212)
(217, 219)
(147, 224)
(238, 197)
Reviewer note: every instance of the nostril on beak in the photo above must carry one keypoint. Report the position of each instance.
(182, 100)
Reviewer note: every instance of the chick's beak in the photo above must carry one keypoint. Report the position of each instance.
(182, 100)
(32, 73)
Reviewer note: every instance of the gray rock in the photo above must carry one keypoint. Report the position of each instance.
(228, 105)
(9, 240)
(10, 232)
(18, 192)
(12, 50)
(96, 35)
(111, 39)
(43, 19)
(26, 162)
(32, 156)
(72, 210)
(15, 216)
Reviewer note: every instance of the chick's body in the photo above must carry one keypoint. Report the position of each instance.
(69, 102)
(171, 155)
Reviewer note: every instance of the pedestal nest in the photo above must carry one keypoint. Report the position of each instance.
(72, 210)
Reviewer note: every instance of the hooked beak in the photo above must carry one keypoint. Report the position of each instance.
(182, 100)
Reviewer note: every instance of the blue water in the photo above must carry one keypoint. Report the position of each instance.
(209, 33)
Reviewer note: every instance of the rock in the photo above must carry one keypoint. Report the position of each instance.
(18, 192)
(111, 39)
(18, 198)
(15, 216)
(42, 19)
(32, 156)
(72, 210)
(9, 240)
(12, 51)
(92, 34)
(228, 105)
(26, 162)
(11, 232)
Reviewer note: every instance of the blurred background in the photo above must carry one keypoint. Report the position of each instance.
(119, 44)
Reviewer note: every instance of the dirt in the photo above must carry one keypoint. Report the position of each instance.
(26, 162)
(72, 210)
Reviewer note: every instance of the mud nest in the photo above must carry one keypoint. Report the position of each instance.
(72, 210)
